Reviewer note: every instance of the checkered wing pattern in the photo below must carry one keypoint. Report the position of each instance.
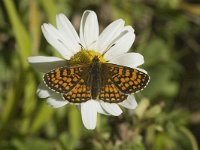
(64, 79)
(80, 93)
(110, 93)
(126, 79)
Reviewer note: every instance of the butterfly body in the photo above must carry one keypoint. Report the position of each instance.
(95, 78)
(100, 81)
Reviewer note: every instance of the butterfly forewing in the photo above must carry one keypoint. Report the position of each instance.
(64, 79)
(126, 79)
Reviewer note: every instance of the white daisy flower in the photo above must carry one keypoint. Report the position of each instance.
(111, 46)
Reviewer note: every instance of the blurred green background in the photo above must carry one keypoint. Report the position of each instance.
(168, 115)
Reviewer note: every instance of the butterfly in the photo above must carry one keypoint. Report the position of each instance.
(99, 81)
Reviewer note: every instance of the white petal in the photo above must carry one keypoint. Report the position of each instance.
(78, 106)
(69, 33)
(56, 39)
(128, 59)
(89, 114)
(45, 64)
(122, 43)
(109, 34)
(56, 101)
(89, 29)
(130, 102)
(100, 108)
(111, 108)
(43, 91)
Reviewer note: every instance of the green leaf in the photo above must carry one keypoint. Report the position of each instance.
(44, 114)
(142, 107)
(50, 9)
(29, 103)
(35, 23)
(153, 111)
(191, 137)
(21, 34)
(31, 144)
(75, 124)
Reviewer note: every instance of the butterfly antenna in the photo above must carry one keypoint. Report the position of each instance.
(108, 49)
(82, 48)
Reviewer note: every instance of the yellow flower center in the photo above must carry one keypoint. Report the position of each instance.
(85, 57)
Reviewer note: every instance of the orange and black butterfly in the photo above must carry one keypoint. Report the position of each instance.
(104, 81)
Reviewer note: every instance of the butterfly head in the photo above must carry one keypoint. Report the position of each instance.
(95, 59)
(96, 62)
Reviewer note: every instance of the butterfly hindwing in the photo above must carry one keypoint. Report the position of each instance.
(80, 93)
(127, 80)
(64, 79)
(110, 93)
